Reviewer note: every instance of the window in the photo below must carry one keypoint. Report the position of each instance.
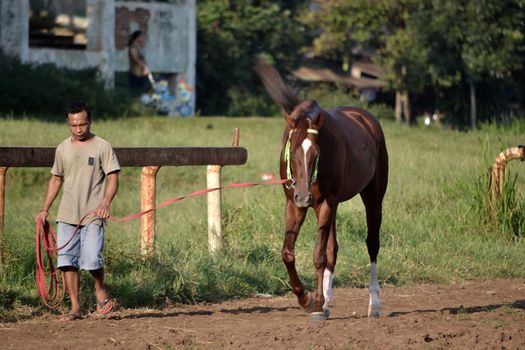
(58, 24)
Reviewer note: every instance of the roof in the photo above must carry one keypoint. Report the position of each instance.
(325, 71)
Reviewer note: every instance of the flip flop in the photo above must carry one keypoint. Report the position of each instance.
(71, 316)
(104, 307)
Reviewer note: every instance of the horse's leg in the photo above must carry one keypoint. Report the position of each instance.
(372, 200)
(331, 258)
(294, 218)
(325, 218)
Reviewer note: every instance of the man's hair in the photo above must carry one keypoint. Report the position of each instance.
(77, 107)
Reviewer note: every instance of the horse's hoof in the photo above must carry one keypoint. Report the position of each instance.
(318, 316)
(311, 304)
(374, 310)
(326, 312)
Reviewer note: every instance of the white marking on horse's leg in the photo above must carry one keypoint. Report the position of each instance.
(306, 146)
(374, 307)
(327, 288)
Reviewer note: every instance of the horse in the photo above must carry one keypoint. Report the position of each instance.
(328, 156)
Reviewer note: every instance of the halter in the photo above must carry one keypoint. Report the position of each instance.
(287, 159)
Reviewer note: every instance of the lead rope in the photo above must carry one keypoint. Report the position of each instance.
(46, 241)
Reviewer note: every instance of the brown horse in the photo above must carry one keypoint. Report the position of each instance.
(329, 157)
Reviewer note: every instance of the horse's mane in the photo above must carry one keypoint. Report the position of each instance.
(274, 84)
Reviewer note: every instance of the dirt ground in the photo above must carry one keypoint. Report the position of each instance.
(479, 314)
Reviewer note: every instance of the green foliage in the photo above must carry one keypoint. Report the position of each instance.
(505, 214)
(349, 28)
(330, 96)
(245, 103)
(229, 36)
(45, 90)
(440, 46)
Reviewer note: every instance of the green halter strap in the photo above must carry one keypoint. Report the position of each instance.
(287, 157)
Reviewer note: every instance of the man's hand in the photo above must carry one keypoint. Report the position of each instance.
(41, 216)
(102, 212)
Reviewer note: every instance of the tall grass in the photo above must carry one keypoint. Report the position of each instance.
(506, 212)
(432, 231)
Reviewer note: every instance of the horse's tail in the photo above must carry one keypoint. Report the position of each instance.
(274, 84)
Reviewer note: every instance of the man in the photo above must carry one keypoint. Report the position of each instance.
(82, 164)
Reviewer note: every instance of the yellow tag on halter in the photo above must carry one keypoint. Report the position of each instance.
(310, 131)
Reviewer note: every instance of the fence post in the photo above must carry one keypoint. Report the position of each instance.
(213, 180)
(235, 142)
(3, 170)
(147, 221)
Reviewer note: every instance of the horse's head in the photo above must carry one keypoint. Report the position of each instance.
(300, 155)
(301, 150)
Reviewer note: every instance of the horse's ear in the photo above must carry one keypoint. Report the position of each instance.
(316, 116)
(288, 119)
(318, 119)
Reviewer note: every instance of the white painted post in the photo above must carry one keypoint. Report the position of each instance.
(213, 180)
(147, 222)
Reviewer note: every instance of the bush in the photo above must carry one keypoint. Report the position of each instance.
(44, 90)
(329, 96)
(244, 103)
(506, 214)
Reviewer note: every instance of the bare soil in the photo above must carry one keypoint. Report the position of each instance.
(480, 314)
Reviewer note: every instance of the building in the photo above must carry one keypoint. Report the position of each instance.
(80, 34)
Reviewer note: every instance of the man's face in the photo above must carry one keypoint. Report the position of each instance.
(79, 125)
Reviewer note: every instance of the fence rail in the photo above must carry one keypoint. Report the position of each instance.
(132, 156)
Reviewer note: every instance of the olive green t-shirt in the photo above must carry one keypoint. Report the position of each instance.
(83, 169)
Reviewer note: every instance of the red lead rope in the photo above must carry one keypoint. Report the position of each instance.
(46, 240)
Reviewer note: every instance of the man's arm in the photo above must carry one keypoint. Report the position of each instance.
(111, 190)
(52, 191)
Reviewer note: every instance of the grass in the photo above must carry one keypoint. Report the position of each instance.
(433, 228)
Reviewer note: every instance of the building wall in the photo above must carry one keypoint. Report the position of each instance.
(170, 29)
(14, 40)
(165, 27)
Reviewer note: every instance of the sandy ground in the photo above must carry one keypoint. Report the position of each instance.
(479, 314)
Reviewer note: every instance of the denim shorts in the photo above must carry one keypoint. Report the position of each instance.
(84, 251)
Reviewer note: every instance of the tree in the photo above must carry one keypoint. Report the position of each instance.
(486, 38)
(440, 43)
(229, 35)
(347, 27)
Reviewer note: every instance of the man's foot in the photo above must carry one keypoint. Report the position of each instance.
(104, 302)
(71, 316)
(105, 306)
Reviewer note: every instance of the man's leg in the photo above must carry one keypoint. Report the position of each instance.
(68, 263)
(72, 279)
(101, 290)
(91, 259)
